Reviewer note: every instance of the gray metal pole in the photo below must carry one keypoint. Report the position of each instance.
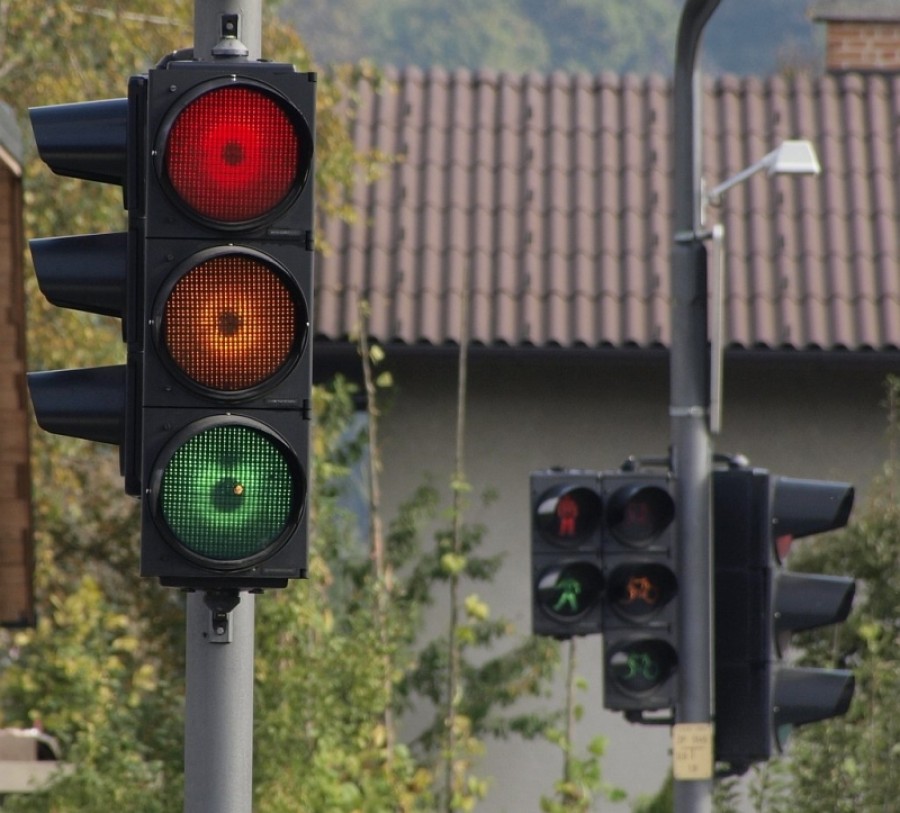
(218, 719)
(691, 442)
(227, 29)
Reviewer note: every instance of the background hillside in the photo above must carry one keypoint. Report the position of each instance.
(744, 36)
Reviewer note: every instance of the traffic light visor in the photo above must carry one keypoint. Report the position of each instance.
(228, 491)
(236, 153)
(233, 323)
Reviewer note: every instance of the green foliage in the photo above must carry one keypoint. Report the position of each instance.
(576, 793)
(487, 684)
(582, 778)
(321, 737)
(335, 661)
(534, 35)
(508, 35)
(769, 789)
(84, 673)
(850, 760)
(593, 35)
(662, 802)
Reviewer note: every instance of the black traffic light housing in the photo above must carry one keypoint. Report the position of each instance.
(640, 608)
(566, 571)
(227, 305)
(97, 273)
(759, 698)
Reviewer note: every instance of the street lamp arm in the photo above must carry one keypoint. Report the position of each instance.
(791, 157)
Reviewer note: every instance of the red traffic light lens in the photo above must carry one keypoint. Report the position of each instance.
(639, 514)
(232, 323)
(234, 154)
(567, 515)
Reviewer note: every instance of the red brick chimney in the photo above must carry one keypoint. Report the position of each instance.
(861, 35)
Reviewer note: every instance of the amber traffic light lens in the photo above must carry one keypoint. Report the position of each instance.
(234, 154)
(640, 591)
(232, 323)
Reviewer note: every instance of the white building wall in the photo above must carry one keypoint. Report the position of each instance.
(530, 410)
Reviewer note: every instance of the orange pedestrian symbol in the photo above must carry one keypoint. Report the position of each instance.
(640, 588)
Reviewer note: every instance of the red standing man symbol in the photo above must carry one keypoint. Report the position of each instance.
(567, 514)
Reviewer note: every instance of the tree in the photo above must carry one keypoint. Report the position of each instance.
(466, 33)
(596, 35)
(103, 667)
(850, 760)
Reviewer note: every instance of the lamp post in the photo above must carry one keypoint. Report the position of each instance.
(691, 444)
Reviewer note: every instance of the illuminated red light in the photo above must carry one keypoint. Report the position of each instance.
(233, 154)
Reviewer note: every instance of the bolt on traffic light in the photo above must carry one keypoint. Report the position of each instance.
(640, 608)
(566, 575)
(759, 696)
(97, 273)
(227, 307)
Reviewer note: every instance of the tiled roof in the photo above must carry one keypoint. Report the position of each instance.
(550, 198)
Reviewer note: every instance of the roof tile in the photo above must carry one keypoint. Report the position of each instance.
(548, 199)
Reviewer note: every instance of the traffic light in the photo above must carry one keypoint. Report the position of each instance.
(566, 573)
(759, 697)
(97, 273)
(227, 304)
(640, 607)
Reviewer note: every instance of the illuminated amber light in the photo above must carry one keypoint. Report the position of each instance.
(230, 323)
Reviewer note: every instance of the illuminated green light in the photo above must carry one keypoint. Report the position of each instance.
(228, 493)
(569, 591)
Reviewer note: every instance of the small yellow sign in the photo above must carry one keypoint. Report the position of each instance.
(692, 751)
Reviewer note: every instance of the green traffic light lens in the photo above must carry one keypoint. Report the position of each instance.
(570, 591)
(229, 493)
(641, 666)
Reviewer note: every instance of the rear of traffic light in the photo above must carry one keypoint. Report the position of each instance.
(227, 344)
(759, 699)
(566, 575)
(97, 273)
(640, 609)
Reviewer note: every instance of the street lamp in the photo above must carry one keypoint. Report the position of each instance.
(791, 157)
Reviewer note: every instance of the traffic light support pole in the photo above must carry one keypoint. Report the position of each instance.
(218, 727)
(218, 731)
(690, 435)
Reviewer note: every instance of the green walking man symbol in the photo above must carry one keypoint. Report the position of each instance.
(569, 590)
